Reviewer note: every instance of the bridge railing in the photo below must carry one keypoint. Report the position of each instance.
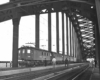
(4, 64)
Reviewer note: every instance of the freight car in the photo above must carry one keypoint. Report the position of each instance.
(30, 56)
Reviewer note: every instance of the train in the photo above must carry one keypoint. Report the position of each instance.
(30, 56)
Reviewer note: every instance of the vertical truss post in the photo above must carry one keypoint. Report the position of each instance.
(75, 45)
(37, 31)
(15, 42)
(97, 2)
(57, 32)
(49, 32)
(67, 35)
(97, 43)
(70, 36)
(73, 40)
(63, 39)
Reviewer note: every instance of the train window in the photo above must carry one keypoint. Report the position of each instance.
(19, 51)
(28, 51)
(28, 56)
(42, 53)
(23, 50)
(45, 53)
(50, 54)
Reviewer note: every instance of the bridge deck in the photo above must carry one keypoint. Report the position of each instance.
(11, 71)
(95, 74)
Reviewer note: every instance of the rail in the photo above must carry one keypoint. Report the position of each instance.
(80, 73)
(69, 75)
(44, 73)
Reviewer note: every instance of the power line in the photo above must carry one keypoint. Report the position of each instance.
(38, 20)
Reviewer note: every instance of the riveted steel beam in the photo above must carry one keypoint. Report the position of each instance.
(67, 35)
(70, 37)
(30, 7)
(97, 28)
(57, 31)
(72, 41)
(63, 38)
(15, 41)
(37, 34)
(49, 32)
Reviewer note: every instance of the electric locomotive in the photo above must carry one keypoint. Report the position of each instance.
(30, 56)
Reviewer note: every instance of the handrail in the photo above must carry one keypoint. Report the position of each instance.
(5, 61)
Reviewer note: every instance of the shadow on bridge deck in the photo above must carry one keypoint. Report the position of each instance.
(95, 74)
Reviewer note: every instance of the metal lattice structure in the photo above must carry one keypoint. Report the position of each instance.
(82, 14)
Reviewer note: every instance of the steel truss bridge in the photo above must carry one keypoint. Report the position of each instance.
(81, 15)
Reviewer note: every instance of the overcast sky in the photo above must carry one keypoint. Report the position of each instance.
(27, 33)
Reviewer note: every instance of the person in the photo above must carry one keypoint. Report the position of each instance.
(66, 62)
(95, 62)
(54, 62)
(91, 63)
(45, 62)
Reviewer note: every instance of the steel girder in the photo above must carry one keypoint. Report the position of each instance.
(87, 34)
(30, 7)
(84, 1)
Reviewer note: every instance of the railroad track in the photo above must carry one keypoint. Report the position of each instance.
(83, 73)
(34, 74)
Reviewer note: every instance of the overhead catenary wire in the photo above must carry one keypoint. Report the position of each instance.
(41, 22)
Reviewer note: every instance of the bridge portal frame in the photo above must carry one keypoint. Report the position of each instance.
(15, 41)
(97, 30)
(56, 8)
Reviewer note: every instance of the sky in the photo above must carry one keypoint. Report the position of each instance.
(27, 33)
(3, 1)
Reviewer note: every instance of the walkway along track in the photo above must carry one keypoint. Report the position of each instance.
(60, 74)
(35, 74)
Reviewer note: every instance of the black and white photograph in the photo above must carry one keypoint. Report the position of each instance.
(49, 39)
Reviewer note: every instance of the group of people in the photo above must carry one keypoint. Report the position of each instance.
(54, 62)
(93, 63)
